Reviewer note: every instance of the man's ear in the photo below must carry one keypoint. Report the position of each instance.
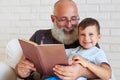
(52, 18)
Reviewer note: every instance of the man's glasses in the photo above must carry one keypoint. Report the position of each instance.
(64, 20)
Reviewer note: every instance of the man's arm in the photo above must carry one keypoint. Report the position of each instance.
(73, 72)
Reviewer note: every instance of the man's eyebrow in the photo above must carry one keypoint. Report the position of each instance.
(63, 17)
(66, 17)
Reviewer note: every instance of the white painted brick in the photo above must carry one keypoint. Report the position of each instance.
(22, 23)
(4, 24)
(41, 9)
(115, 32)
(48, 2)
(45, 16)
(15, 9)
(39, 17)
(116, 71)
(42, 24)
(117, 74)
(88, 8)
(105, 32)
(21, 9)
(112, 40)
(98, 1)
(23, 31)
(51, 2)
(3, 31)
(79, 2)
(2, 56)
(115, 15)
(115, 1)
(30, 2)
(115, 48)
(9, 2)
(6, 9)
(110, 23)
(9, 16)
(82, 15)
(14, 30)
(26, 16)
(2, 43)
(113, 55)
(99, 16)
(105, 47)
(110, 7)
(36, 16)
(23, 36)
(113, 63)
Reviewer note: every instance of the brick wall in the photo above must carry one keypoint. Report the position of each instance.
(21, 18)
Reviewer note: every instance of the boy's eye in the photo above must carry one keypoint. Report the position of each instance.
(82, 34)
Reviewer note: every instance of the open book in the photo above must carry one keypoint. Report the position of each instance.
(44, 56)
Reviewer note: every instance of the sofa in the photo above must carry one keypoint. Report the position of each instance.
(14, 53)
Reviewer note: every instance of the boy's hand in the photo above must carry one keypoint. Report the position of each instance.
(80, 60)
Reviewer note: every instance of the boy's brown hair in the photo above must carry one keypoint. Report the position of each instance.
(89, 22)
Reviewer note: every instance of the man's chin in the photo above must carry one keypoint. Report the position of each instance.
(67, 41)
(65, 38)
(68, 32)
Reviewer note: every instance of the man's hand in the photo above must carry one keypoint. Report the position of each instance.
(24, 68)
(72, 72)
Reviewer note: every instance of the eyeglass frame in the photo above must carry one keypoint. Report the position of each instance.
(65, 20)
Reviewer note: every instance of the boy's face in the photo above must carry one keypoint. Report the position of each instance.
(88, 37)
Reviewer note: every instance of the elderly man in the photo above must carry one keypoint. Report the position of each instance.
(65, 20)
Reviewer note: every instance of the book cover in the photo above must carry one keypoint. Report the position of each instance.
(44, 56)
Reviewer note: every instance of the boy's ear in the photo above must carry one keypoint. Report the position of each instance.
(52, 18)
(99, 36)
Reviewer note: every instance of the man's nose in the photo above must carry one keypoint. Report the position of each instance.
(68, 25)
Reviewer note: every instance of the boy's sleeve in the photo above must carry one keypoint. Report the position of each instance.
(101, 57)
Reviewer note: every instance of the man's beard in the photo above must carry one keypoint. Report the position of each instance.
(59, 34)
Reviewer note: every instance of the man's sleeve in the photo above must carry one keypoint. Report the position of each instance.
(14, 52)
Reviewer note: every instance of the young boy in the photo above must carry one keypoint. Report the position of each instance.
(87, 54)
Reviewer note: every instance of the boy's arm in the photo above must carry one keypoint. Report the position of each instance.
(97, 70)
(85, 72)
